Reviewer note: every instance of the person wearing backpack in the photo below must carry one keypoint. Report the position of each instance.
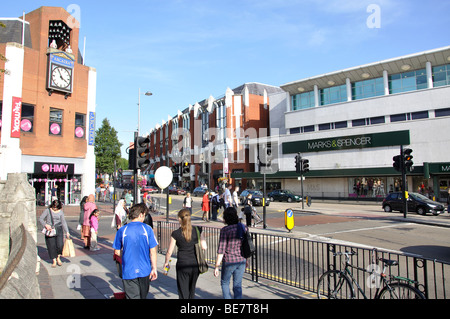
(215, 204)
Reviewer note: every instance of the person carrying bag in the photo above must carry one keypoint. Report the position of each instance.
(55, 225)
(187, 240)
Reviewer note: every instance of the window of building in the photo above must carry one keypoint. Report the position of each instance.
(377, 120)
(294, 130)
(342, 124)
(302, 101)
(205, 127)
(55, 121)
(175, 133)
(359, 122)
(442, 112)
(80, 125)
(221, 122)
(309, 128)
(367, 187)
(408, 81)
(333, 94)
(367, 88)
(26, 123)
(441, 75)
(324, 127)
(398, 117)
(186, 122)
(419, 115)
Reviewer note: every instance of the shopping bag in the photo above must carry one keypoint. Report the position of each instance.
(68, 249)
(200, 254)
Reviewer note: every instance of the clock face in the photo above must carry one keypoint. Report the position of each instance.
(61, 78)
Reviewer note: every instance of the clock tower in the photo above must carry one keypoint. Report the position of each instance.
(60, 61)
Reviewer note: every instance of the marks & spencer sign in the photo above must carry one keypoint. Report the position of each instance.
(53, 168)
(348, 142)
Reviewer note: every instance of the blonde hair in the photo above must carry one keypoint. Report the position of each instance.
(185, 220)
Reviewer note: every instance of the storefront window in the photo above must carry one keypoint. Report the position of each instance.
(367, 187)
(67, 188)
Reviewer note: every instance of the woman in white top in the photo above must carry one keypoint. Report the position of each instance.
(187, 203)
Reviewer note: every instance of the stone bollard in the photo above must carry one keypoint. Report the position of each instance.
(17, 207)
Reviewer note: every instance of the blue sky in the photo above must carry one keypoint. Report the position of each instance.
(183, 51)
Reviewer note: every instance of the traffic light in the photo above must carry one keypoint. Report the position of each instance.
(397, 163)
(305, 166)
(407, 159)
(142, 149)
(298, 159)
(186, 168)
(120, 176)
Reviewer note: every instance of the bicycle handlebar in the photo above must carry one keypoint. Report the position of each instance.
(346, 253)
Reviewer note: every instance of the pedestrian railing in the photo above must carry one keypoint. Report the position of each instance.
(300, 262)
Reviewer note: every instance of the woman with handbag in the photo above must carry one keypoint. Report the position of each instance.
(187, 266)
(55, 225)
(229, 254)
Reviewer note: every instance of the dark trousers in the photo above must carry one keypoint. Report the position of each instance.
(215, 210)
(186, 281)
(55, 244)
(136, 288)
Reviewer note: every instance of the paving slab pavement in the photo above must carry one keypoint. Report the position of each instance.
(93, 275)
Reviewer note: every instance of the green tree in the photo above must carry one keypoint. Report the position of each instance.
(122, 163)
(107, 148)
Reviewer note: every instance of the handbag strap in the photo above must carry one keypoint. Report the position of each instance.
(198, 234)
(51, 216)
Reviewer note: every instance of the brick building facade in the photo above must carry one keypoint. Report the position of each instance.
(209, 140)
(47, 105)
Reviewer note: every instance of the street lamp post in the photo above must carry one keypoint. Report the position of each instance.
(148, 93)
(136, 170)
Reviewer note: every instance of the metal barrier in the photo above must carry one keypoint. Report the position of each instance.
(300, 262)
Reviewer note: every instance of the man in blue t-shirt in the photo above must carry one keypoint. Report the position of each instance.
(136, 244)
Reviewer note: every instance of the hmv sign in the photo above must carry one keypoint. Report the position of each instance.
(53, 168)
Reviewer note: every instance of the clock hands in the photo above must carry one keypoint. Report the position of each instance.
(62, 78)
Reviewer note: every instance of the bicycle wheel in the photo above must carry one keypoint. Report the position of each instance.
(400, 290)
(334, 284)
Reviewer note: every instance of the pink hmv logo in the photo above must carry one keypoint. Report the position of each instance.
(55, 168)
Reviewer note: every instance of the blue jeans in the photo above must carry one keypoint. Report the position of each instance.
(237, 270)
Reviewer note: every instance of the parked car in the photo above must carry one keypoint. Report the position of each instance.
(200, 191)
(257, 197)
(176, 190)
(284, 195)
(149, 189)
(416, 203)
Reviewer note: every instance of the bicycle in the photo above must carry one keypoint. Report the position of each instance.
(338, 284)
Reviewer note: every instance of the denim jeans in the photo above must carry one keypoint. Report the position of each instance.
(237, 271)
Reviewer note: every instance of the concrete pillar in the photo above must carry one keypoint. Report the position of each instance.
(429, 74)
(88, 178)
(386, 82)
(316, 96)
(349, 89)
